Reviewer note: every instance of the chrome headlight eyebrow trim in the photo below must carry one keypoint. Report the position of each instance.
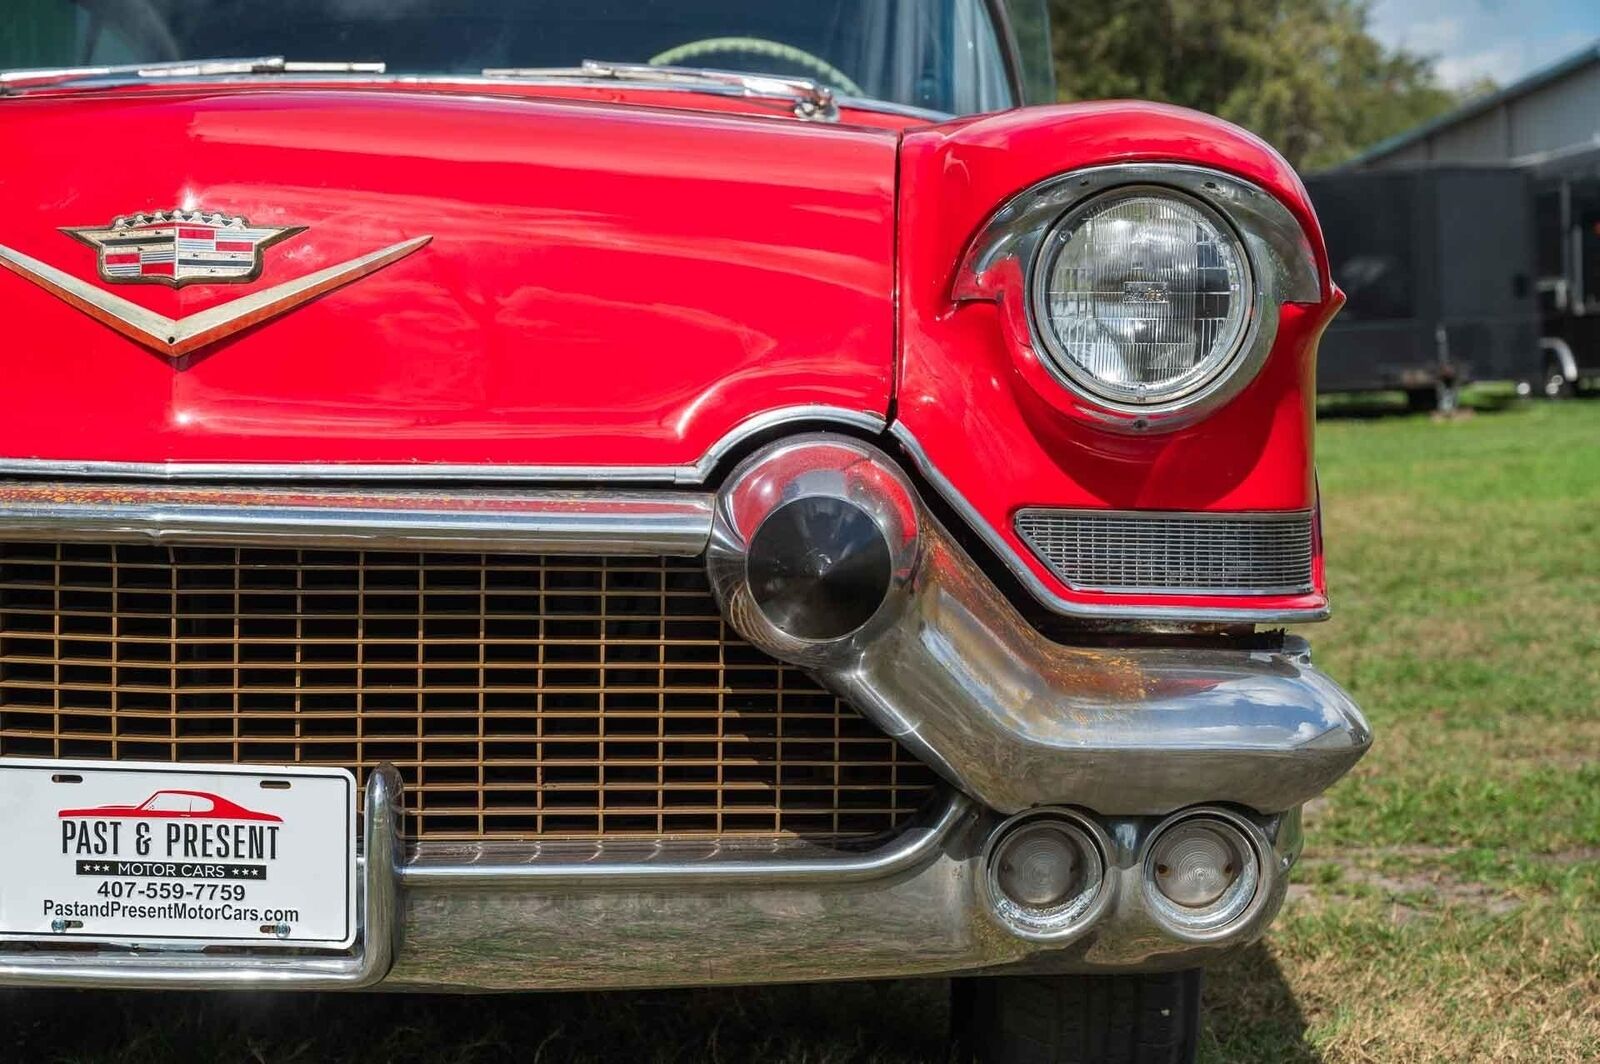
(1011, 246)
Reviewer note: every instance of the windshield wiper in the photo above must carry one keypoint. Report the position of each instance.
(812, 100)
(178, 68)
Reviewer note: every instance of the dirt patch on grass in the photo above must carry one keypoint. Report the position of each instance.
(1412, 894)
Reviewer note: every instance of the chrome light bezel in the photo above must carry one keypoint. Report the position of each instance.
(1237, 907)
(1069, 371)
(1004, 261)
(1071, 919)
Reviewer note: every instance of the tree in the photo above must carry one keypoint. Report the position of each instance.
(1304, 74)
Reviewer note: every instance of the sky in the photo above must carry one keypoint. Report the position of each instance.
(1499, 39)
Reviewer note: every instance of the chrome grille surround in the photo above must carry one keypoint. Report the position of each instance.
(1011, 718)
(521, 696)
(1168, 553)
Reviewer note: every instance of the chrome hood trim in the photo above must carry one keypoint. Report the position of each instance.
(555, 522)
(697, 472)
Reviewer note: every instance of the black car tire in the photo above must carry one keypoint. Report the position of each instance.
(1422, 400)
(1078, 1019)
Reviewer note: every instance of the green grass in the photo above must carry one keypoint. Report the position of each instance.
(1449, 905)
(1448, 908)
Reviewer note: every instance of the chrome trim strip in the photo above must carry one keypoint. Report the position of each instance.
(865, 420)
(379, 914)
(439, 865)
(1058, 603)
(951, 670)
(632, 523)
(890, 107)
(175, 337)
(696, 473)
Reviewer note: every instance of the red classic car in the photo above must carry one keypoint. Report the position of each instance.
(753, 492)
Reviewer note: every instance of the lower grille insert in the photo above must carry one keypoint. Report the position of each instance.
(1174, 553)
(519, 696)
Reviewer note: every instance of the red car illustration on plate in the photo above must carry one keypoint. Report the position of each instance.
(187, 805)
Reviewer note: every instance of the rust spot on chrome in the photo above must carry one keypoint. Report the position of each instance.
(1102, 672)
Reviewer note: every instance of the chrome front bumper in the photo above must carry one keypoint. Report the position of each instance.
(950, 668)
(1124, 738)
(522, 917)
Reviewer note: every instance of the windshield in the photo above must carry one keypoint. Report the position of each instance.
(943, 55)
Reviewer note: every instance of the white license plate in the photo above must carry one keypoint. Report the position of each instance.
(141, 852)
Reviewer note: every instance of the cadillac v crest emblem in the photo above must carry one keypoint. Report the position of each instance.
(180, 247)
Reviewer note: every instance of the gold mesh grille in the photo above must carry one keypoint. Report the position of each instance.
(519, 696)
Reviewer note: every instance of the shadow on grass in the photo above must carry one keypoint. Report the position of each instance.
(1358, 406)
(1361, 405)
(1250, 1014)
(877, 1023)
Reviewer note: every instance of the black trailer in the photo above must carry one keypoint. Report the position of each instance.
(1438, 265)
(1567, 205)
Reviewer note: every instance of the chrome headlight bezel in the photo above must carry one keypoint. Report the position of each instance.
(1061, 362)
(1006, 261)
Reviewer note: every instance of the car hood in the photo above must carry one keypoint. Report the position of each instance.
(605, 285)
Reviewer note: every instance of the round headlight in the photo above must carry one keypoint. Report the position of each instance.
(1142, 296)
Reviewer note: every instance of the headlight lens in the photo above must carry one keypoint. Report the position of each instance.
(1142, 296)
